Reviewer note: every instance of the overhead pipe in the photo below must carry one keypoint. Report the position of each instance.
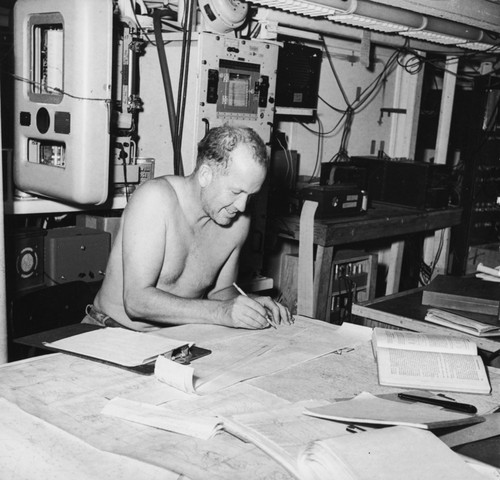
(353, 13)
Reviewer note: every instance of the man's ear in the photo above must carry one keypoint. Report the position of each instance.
(205, 175)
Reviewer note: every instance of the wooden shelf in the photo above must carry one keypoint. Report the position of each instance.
(37, 205)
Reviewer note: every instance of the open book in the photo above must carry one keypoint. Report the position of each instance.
(461, 323)
(391, 453)
(431, 362)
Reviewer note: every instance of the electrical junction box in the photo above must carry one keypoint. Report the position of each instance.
(76, 253)
(335, 200)
(297, 84)
(63, 52)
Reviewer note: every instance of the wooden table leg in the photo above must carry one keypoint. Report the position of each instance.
(394, 269)
(322, 279)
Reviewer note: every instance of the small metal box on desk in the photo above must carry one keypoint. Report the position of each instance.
(76, 253)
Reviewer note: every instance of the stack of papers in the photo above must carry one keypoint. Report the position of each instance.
(489, 274)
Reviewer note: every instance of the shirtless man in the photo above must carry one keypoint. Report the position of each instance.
(175, 257)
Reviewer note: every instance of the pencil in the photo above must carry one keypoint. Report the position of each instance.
(241, 292)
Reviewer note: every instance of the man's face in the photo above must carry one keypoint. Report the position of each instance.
(228, 193)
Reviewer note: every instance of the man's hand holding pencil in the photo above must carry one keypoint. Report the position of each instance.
(274, 313)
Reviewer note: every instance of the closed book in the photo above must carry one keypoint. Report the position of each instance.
(464, 322)
(469, 294)
(367, 409)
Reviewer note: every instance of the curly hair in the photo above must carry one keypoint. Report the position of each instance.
(216, 147)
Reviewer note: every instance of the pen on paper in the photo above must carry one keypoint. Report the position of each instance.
(446, 396)
(242, 292)
(451, 405)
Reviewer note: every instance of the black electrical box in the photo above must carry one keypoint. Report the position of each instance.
(342, 173)
(335, 200)
(404, 182)
(297, 80)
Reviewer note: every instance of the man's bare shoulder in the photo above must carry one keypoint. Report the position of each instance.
(160, 192)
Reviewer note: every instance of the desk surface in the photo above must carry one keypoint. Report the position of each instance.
(381, 221)
(405, 310)
(70, 392)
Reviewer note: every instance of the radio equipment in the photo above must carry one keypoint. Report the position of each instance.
(335, 200)
(404, 182)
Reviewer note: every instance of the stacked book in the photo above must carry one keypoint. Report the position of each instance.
(468, 304)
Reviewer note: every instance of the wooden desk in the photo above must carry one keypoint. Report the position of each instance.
(380, 222)
(405, 310)
(69, 392)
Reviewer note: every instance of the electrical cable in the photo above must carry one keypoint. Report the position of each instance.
(319, 149)
(165, 73)
(339, 83)
(289, 174)
(184, 75)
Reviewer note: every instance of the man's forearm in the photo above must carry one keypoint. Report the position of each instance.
(164, 308)
(227, 293)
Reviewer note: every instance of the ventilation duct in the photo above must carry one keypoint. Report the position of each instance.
(405, 22)
(310, 8)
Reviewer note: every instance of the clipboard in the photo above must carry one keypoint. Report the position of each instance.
(41, 339)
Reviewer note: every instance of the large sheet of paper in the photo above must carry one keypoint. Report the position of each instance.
(263, 352)
(70, 392)
(33, 448)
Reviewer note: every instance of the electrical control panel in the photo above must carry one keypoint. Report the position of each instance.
(63, 64)
(231, 80)
(236, 79)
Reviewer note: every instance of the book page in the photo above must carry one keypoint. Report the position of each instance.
(432, 370)
(118, 345)
(405, 340)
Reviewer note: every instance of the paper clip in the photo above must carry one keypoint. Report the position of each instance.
(340, 351)
(355, 428)
(181, 355)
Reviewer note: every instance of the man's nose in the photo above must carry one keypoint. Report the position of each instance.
(241, 202)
